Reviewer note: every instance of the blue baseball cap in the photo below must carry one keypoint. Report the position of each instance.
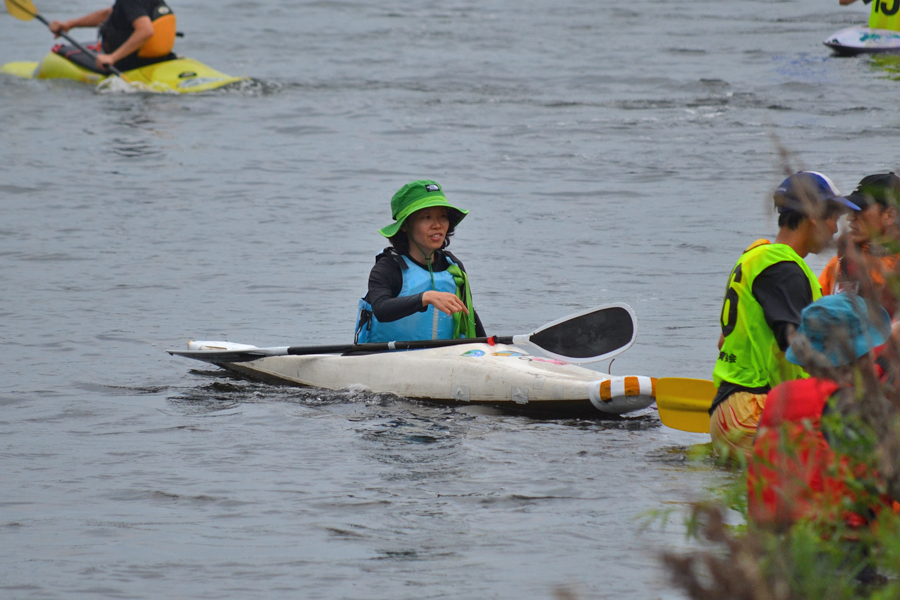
(803, 190)
(840, 328)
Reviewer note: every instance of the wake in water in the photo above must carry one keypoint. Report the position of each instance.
(245, 87)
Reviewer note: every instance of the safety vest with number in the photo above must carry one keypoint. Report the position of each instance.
(885, 15)
(750, 356)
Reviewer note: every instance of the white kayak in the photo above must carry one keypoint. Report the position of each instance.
(862, 40)
(469, 373)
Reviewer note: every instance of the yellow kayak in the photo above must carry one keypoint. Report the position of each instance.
(181, 75)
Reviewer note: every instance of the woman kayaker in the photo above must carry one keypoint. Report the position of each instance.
(133, 33)
(417, 289)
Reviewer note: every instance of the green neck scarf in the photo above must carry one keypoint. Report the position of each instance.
(463, 324)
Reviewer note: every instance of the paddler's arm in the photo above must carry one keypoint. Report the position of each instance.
(143, 31)
(95, 19)
(385, 284)
(444, 302)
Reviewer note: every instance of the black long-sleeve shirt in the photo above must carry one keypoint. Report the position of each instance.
(386, 281)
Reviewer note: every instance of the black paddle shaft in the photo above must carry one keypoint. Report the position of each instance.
(230, 356)
(406, 345)
(584, 336)
(64, 35)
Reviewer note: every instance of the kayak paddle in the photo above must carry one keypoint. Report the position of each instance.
(588, 336)
(24, 10)
(684, 403)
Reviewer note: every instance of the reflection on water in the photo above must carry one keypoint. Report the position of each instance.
(244, 87)
(889, 63)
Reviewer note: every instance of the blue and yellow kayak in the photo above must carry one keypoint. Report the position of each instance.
(181, 75)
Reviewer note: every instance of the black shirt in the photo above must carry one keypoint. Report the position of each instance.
(118, 27)
(386, 281)
(783, 291)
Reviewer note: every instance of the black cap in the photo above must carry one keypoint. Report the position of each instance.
(883, 188)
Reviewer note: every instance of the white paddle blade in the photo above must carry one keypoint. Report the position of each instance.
(221, 352)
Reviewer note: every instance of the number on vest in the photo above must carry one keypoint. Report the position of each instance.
(731, 302)
(882, 7)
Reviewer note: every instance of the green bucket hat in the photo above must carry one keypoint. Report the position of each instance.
(417, 195)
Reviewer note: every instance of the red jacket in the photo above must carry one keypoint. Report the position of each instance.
(793, 472)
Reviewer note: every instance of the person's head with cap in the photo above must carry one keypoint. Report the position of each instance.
(836, 331)
(878, 198)
(809, 206)
(423, 219)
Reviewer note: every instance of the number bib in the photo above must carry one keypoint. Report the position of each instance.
(885, 15)
(750, 356)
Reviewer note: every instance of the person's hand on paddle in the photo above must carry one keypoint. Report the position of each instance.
(444, 302)
(104, 61)
(59, 27)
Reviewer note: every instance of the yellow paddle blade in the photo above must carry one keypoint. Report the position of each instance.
(23, 10)
(20, 69)
(684, 403)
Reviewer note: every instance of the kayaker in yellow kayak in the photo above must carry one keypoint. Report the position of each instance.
(417, 289)
(885, 13)
(133, 33)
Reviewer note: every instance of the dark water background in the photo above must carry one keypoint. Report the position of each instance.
(608, 151)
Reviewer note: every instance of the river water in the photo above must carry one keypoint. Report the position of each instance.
(607, 152)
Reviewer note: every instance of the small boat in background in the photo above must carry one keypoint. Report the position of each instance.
(862, 40)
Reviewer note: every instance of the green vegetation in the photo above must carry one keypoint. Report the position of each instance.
(820, 557)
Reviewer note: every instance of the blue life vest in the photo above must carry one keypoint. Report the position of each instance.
(428, 325)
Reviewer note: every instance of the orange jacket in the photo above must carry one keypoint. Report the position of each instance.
(867, 273)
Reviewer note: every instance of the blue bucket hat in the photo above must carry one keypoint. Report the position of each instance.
(840, 327)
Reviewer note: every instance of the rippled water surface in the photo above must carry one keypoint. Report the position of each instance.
(607, 152)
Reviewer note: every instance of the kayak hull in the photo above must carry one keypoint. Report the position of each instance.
(182, 75)
(497, 375)
(26, 70)
(862, 40)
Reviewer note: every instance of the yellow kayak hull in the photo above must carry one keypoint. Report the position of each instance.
(20, 69)
(182, 75)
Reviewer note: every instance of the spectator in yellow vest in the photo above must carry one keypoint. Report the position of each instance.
(885, 13)
(767, 290)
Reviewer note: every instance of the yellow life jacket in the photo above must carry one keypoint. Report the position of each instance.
(885, 15)
(750, 356)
